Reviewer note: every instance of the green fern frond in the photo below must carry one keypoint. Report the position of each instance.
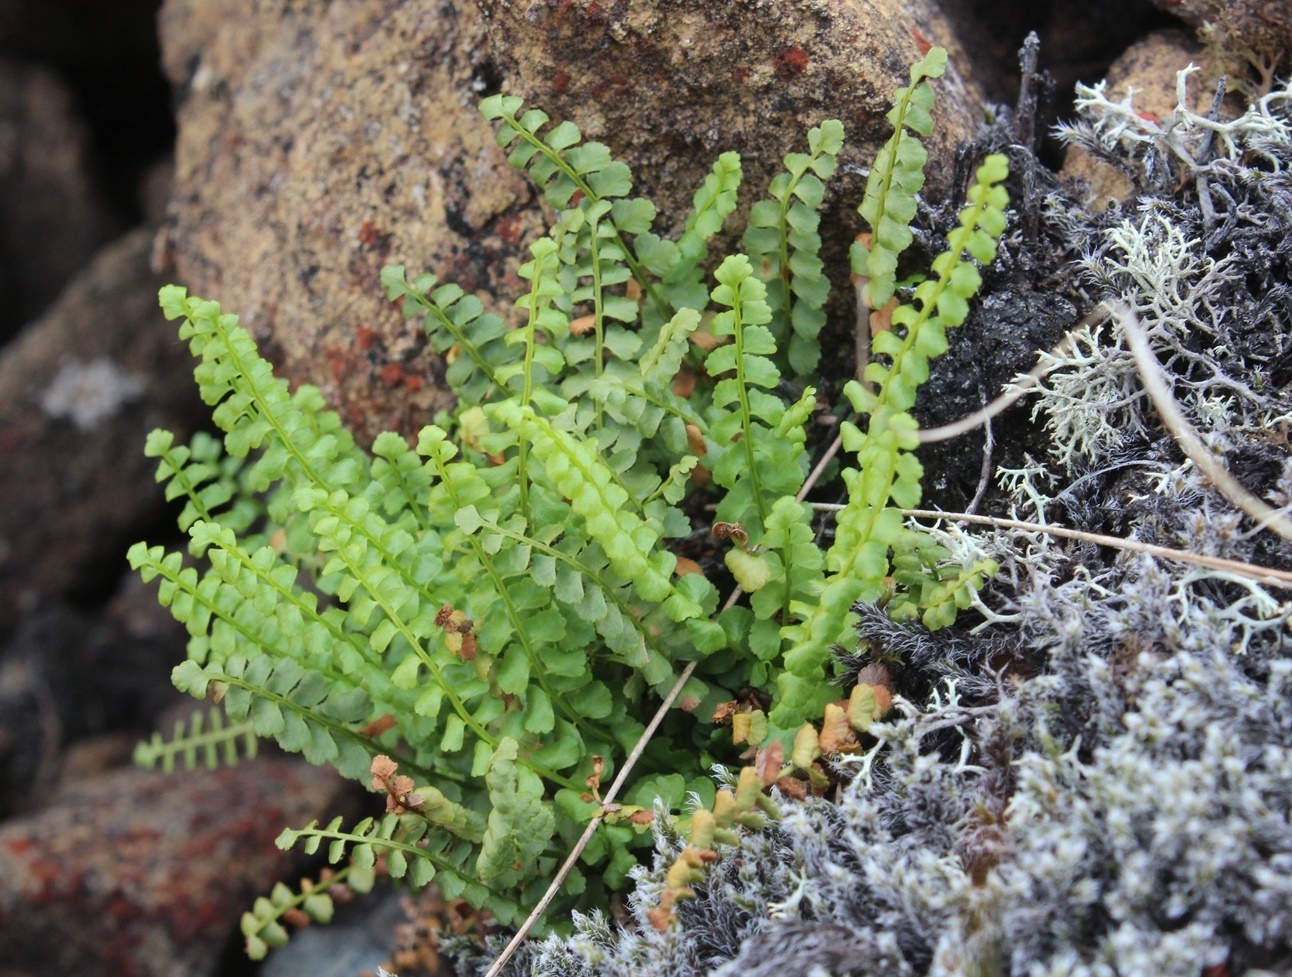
(302, 710)
(753, 466)
(681, 266)
(262, 926)
(888, 472)
(400, 484)
(205, 477)
(411, 851)
(205, 736)
(897, 175)
(579, 474)
(520, 824)
(254, 408)
(559, 163)
(562, 165)
(499, 608)
(782, 240)
(457, 327)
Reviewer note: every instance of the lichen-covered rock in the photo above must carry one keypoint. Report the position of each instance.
(318, 143)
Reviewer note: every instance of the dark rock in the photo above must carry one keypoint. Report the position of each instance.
(79, 391)
(106, 55)
(52, 218)
(35, 707)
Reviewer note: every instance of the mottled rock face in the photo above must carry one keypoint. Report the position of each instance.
(319, 142)
(668, 85)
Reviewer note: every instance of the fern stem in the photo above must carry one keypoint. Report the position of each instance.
(750, 439)
(464, 343)
(414, 850)
(295, 597)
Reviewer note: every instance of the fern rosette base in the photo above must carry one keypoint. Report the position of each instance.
(480, 626)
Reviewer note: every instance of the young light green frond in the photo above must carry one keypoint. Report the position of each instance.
(681, 266)
(256, 410)
(579, 474)
(204, 739)
(897, 175)
(205, 477)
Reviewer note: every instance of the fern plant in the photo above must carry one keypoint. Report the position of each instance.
(482, 623)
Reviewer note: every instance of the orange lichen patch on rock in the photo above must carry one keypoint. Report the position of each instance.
(790, 62)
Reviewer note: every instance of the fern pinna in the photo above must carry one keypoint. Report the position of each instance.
(481, 625)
